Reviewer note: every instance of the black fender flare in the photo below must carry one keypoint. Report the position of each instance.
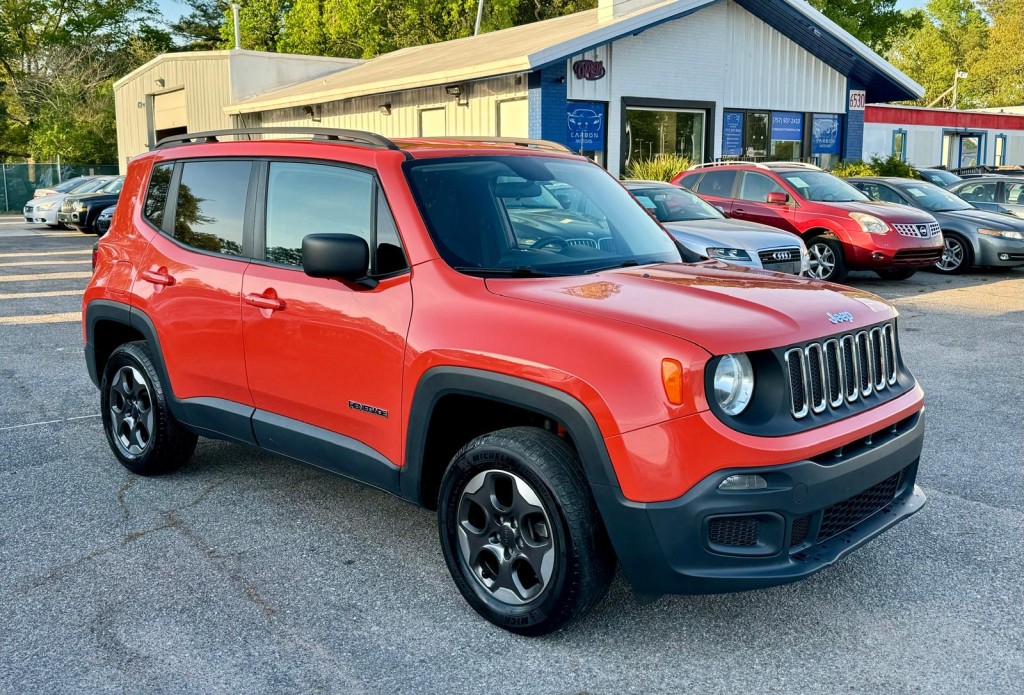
(558, 405)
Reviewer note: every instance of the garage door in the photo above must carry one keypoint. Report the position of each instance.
(433, 123)
(513, 119)
(169, 110)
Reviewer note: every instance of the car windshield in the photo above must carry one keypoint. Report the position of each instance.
(931, 197)
(939, 177)
(516, 215)
(68, 185)
(113, 186)
(671, 204)
(822, 187)
(91, 186)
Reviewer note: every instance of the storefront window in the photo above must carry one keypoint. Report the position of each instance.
(969, 151)
(1000, 152)
(653, 132)
(755, 135)
(787, 135)
(899, 144)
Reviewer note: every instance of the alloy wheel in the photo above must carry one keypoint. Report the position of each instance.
(131, 411)
(823, 260)
(952, 255)
(505, 537)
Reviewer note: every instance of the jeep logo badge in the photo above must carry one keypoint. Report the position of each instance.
(841, 317)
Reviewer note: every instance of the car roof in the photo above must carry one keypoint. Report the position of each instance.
(887, 179)
(642, 183)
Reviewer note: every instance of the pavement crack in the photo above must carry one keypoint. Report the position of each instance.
(122, 491)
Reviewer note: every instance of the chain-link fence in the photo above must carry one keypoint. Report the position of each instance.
(18, 182)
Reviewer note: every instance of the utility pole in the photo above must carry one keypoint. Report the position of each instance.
(238, 29)
(956, 78)
(479, 16)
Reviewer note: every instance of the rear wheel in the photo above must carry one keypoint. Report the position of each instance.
(957, 255)
(896, 273)
(520, 533)
(143, 434)
(827, 259)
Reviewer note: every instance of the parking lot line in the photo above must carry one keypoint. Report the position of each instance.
(32, 254)
(45, 276)
(48, 422)
(77, 235)
(33, 295)
(45, 261)
(66, 317)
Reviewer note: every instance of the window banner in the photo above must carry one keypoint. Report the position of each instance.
(825, 134)
(732, 134)
(787, 126)
(586, 125)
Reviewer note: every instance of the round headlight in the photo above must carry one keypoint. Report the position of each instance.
(734, 383)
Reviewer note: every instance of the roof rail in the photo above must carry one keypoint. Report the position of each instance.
(759, 165)
(792, 165)
(521, 142)
(357, 137)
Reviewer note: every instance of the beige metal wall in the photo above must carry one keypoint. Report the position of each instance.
(207, 84)
(480, 117)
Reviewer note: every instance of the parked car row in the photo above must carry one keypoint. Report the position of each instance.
(76, 203)
(889, 225)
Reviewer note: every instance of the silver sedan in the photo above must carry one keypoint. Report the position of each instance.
(705, 233)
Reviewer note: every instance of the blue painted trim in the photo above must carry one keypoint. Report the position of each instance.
(547, 94)
(853, 134)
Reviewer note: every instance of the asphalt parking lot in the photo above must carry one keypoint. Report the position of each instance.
(249, 573)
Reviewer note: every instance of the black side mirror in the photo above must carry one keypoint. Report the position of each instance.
(337, 256)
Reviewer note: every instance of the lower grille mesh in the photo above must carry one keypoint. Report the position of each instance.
(735, 531)
(841, 516)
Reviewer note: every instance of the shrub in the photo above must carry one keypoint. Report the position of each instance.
(660, 168)
(847, 169)
(876, 166)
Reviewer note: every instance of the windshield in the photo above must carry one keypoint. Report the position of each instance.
(68, 185)
(91, 186)
(113, 186)
(931, 197)
(520, 215)
(939, 177)
(671, 204)
(822, 187)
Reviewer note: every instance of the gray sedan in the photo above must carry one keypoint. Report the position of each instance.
(995, 193)
(971, 236)
(705, 233)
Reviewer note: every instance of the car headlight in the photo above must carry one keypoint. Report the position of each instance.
(869, 223)
(80, 207)
(728, 254)
(1002, 233)
(734, 383)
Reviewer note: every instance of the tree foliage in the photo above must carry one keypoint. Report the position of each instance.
(876, 23)
(1001, 68)
(200, 29)
(58, 60)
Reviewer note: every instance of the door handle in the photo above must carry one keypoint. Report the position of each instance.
(739, 210)
(267, 300)
(158, 277)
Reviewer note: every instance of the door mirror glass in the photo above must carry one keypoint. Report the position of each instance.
(776, 198)
(336, 256)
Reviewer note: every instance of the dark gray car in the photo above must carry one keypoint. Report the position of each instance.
(995, 193)
(971, 236)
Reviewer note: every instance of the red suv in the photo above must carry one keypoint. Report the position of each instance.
(499, 331)
(844, 230)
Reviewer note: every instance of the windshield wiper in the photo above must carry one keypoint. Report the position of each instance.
(625, 264)
(521, 271)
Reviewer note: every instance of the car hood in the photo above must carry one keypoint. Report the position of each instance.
(890, 212)
(982, 218)
(52, 198)
(720, 307)
(91, 197)
(731, 233)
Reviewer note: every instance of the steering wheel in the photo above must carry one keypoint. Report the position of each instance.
(551, 240)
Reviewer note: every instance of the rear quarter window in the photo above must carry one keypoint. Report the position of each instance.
(209, 210)
(156, 195)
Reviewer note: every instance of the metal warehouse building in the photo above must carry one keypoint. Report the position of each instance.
(707, 79)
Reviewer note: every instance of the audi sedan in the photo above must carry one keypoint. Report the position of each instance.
(705, 233)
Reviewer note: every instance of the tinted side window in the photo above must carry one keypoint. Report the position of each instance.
(717, 183)
(978, 192)
(210, 208)
(310, 199)
(883, 193)
(156, 196)
(689, 181)
(390, 256)
(1013, 193)
(756, 187)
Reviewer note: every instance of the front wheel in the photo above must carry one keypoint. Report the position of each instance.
(957, 256)
(520, 533)
(827, 259)
(896, 273)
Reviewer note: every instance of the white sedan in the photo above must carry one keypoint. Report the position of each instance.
(44, 210)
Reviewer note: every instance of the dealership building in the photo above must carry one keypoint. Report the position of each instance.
(707, 79)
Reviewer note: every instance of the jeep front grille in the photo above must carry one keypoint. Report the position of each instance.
(840, 370)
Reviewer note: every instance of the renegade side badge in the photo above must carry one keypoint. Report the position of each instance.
(367, 409)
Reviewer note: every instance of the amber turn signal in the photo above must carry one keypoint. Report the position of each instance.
(672, 378)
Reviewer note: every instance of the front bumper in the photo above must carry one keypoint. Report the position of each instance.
(34, 216)
(991, 248)
(812, 513)
(891, 250)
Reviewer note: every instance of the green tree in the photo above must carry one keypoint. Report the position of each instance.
(953, 36)
(1000, 69)
(200, 29)
(261, 21)
(876, 23)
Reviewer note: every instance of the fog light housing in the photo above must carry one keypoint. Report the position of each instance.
(1004, 256)
(746, 481)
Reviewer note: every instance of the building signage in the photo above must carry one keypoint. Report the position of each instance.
(732, 134)
(588, 69)
(857, 97)
(586, 125)
(787, 125)
(825, 134)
